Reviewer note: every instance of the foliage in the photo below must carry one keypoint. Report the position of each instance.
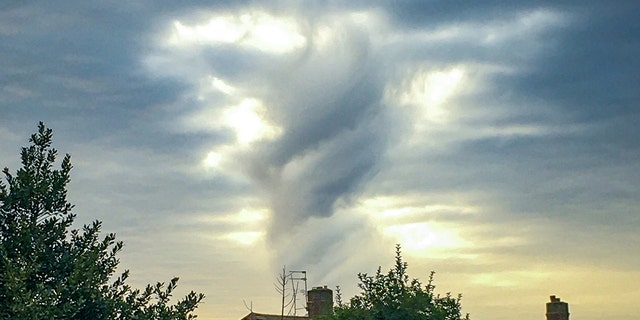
(394, 296)
(47, 270)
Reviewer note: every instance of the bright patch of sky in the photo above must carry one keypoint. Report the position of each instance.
(428, 91)
(257, 30)
(247, 119)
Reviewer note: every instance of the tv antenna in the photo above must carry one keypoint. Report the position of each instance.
(298, 277)
(288, 286)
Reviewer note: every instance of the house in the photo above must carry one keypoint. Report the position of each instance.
(262, 316)
(319, 303)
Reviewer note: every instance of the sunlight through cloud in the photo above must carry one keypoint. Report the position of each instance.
(420, 228)
(222, 86)
(245, 238)
(247, 119)
(245, 227)
(427, 92)
(213, 160)
(421, 236)
(255, 30)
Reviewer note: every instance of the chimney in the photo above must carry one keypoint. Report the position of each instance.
(557, 310)
(319, 302)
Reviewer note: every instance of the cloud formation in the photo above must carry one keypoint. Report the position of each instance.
(310, 130)
(496, 141)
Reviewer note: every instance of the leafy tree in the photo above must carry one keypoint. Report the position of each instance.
(48, 270)
(394, 296)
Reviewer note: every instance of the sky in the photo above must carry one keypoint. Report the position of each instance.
(495, 141)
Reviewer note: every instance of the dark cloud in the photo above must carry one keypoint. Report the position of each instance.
(74, 63)
(583, 76)
(587, 73)
(329, 107)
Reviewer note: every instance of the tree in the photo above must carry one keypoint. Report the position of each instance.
(394, 296)
(48, 270)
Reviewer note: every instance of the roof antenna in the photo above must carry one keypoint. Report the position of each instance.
(249, 307)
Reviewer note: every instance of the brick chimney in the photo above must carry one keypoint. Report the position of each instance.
(319, 302)
(557, 310)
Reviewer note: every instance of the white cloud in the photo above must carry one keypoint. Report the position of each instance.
(420, 227)
(246, 238)
(248, 120)
(244, 228)
(222, 86)
(428, 91)
(425, 237)
(526, 24)
(256, 30)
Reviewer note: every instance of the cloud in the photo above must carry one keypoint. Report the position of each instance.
(316, 133)
(314, 125)
(496, 141)
(258, 31)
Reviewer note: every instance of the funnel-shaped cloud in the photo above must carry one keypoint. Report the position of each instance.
(329, 108)
(314, 135)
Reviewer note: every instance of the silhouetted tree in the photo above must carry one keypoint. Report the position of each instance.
(47, 270)
(394, 296)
